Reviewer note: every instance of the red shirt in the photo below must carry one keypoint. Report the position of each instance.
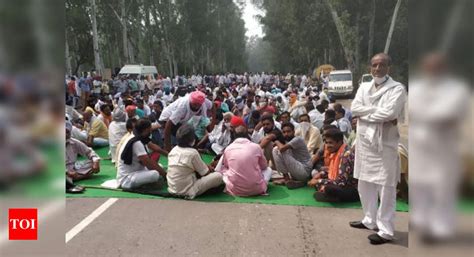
(71, 87)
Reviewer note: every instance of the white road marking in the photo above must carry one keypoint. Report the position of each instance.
(88, 220)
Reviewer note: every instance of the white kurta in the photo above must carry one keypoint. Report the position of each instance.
(439, 107)
(376, 154)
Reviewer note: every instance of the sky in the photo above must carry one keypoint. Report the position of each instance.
(252, 25)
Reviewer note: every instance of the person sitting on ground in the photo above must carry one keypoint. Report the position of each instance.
(318, 159)
(351, 139)
(330, 117)
(78, 170)
(292, 158)
(343, 124)
(143, 107)
(96, 131)
(309, 133)
(117, 130)
(285, 117)
(105, 114)
(252, 120)
(157, 130)
(264, 134)
(220, 137)
(335, 183)
(135, 168)
(317, 116)
(244, 167)
(184, 162)
(200, 125)
(131, 111)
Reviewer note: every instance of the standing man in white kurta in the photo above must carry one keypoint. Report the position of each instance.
(378, 106)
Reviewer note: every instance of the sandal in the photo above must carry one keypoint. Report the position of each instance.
(294, 184)
(280, 182)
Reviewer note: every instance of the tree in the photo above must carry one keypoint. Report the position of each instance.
(95, 38)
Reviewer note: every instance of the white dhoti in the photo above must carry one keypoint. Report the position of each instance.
(378, 216)
(377, 163)
(139, 178)
(113, 153)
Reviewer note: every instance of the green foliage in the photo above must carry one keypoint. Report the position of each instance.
(302, 34)
(178, 36)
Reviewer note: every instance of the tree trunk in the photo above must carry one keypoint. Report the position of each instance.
(349, 56)
(131, 52)
(357, 42)
(370, 50)
(158, 17)
(170, 63)
(175, 65)
(123, 14)
(392, 26)
(68, 56)
(148, 32)
(95, 39)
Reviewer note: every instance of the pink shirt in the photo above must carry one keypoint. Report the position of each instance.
(242, 166)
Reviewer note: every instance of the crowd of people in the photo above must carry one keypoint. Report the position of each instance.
(260, 128)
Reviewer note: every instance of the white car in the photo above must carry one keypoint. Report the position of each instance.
(340, 83)
(139, 70)
(365, 79)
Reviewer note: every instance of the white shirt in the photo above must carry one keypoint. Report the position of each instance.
(317, 118)
(116, 131)
(257, 136)
(123, 170)
(323, 96)
(97, 86)
(180, 110)
(376, 151)
(344, 126)
(146, 110)
(98, 105)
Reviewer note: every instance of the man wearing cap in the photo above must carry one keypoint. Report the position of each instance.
(182, 110)
(78, 170)
(131, 112)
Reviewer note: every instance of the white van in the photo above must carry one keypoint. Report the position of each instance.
(365, 79)
(340, 83)
(139, 70)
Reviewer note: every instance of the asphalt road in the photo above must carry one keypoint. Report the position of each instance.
(139, 227)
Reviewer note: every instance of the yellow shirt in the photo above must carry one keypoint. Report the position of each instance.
(98, 129)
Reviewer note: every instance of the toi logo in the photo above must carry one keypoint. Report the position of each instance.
(23, 224)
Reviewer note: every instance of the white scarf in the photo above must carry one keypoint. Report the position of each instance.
(374, 131)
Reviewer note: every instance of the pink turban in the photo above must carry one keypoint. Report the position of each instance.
(130, 108)
(197, 97)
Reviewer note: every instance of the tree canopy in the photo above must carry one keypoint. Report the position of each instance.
(208, 36)
(177, 36)
(344, 33)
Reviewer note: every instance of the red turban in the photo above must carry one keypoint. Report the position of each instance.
(270, 109)
(130, 108)
(237, 121)
(197, 97)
